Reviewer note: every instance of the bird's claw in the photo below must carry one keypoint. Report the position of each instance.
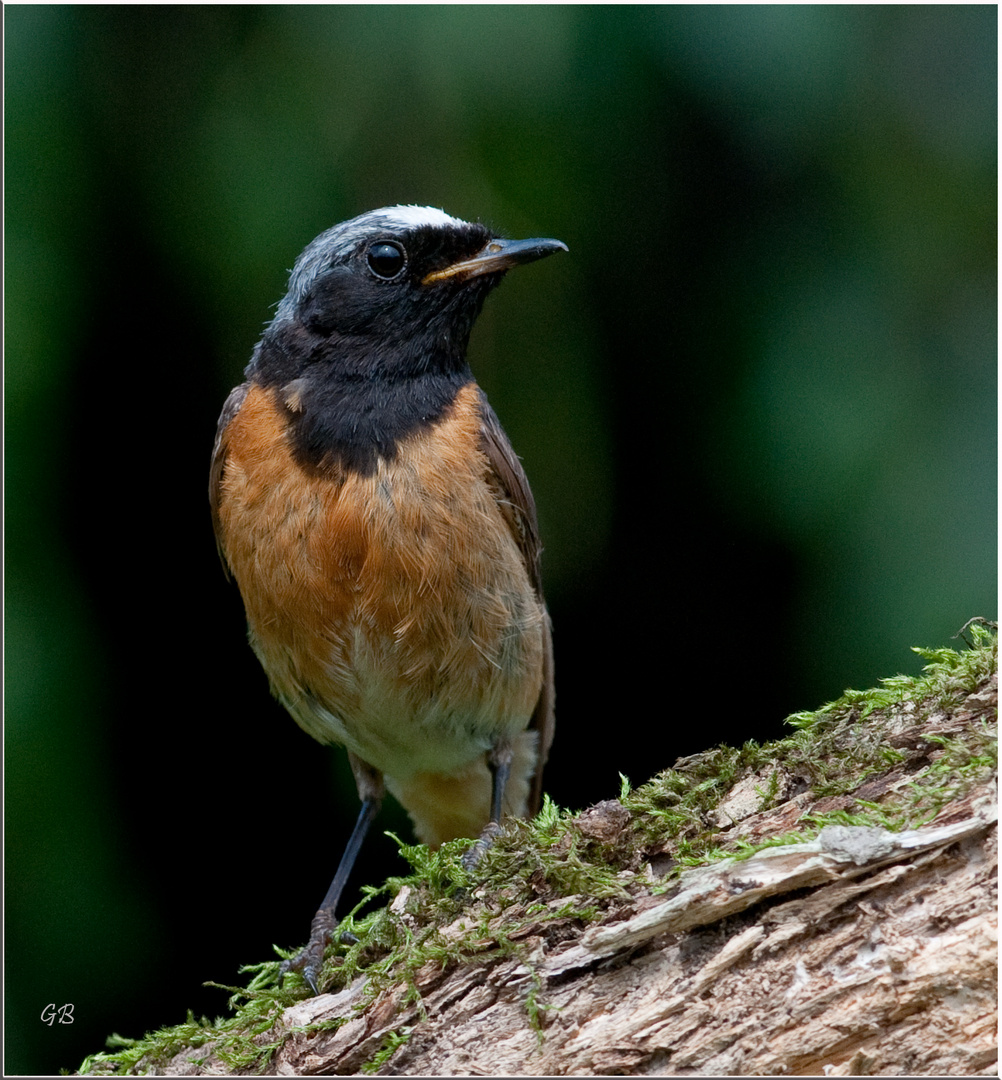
(492, 830)
(310, 959)
(307, 962)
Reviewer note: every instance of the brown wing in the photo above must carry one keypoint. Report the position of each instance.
(519, 508)
(230, 409)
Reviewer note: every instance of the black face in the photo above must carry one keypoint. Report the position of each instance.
(372, 348)
(366, 306)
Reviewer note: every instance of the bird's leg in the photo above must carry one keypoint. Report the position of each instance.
(499, 762)
(310, 959)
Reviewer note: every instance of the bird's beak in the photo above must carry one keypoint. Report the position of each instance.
(496, 256)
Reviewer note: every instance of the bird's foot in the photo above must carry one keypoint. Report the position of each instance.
(310, 959)
(492, 830)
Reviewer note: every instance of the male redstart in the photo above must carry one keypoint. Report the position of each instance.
(382, 532)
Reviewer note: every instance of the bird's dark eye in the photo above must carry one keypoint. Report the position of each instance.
(386, 259)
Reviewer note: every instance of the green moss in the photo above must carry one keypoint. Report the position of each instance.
(393, 1042)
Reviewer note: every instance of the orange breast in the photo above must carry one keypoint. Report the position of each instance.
(392, 612)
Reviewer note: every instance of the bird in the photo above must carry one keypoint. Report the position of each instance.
(383, 535)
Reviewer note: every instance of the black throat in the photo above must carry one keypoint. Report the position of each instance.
(344, 417)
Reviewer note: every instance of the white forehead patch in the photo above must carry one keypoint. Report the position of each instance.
(344, 237)
(410, 217)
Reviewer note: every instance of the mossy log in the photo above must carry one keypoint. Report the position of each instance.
(823, 904)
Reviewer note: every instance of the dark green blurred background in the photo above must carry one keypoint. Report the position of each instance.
(757, 404)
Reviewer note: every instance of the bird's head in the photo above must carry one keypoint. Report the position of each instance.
(392, 293)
